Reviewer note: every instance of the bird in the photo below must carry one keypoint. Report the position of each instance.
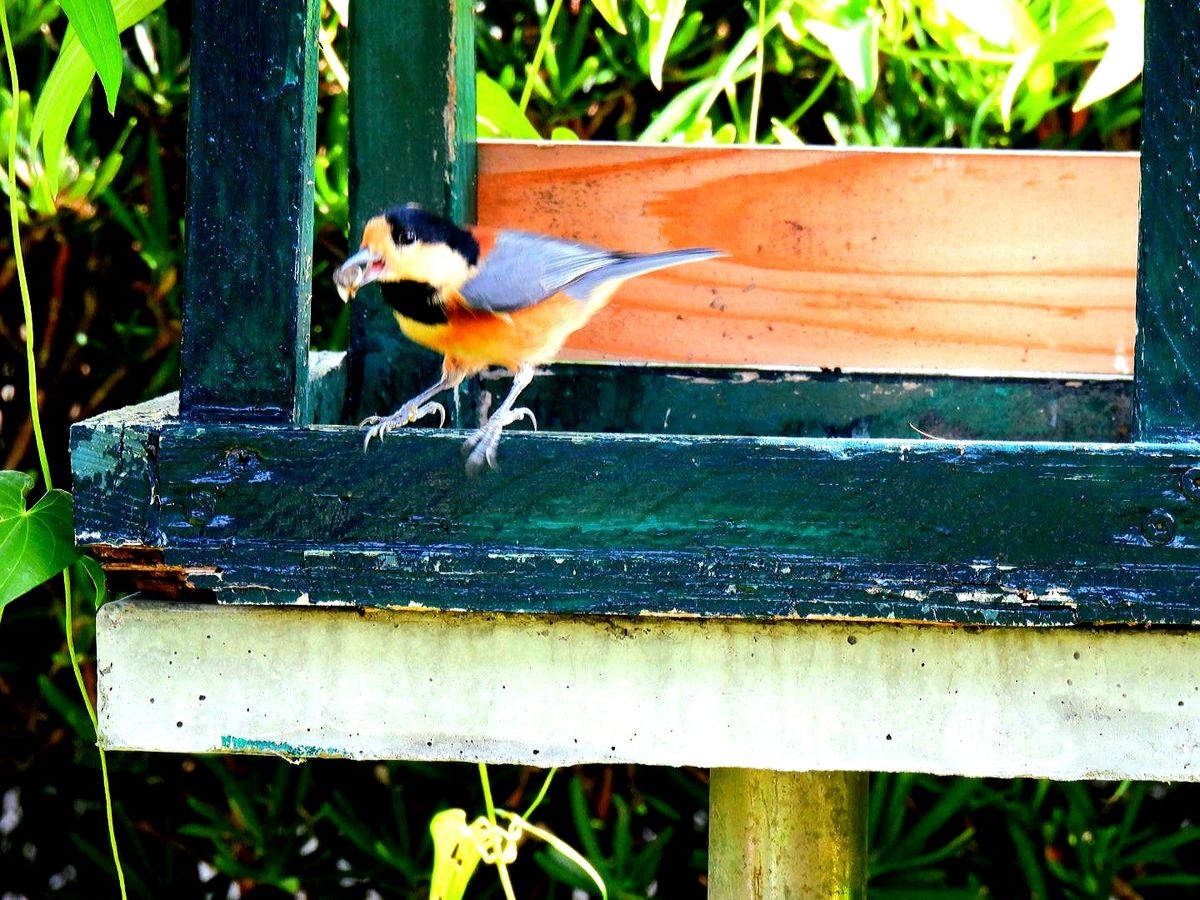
(485, 298)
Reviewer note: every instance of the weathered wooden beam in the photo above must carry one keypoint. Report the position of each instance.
(729, 401)
(1168, 315)
(987, 532)
(884, 260)
(553, 690)
(787, 835)
(249, 211)
(412, 139)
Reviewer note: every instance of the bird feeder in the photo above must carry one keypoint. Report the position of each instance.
(910, 398)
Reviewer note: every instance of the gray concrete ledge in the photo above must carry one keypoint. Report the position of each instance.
(541, 690)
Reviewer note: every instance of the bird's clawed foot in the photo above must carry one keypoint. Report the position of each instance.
(480, 447)
(410, 412)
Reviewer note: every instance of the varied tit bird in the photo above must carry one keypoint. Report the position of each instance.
(485, 297)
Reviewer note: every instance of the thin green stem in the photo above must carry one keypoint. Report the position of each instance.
(759, 65)
(531, 73)
(541, 794)
(487, 793)
(14, 202)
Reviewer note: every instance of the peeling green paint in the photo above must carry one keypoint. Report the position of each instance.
(282, 748)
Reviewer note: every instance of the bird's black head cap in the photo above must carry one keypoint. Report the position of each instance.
(411, 224)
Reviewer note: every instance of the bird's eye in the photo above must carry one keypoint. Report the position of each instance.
(407, 236)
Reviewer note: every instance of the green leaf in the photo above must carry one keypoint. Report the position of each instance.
(855, 49)
(95, 25)
(455, 856)
(497, 114)
(96, 576)
(662, 30)
(612, 15)
(67, 85)
(35, 544)
(1122, 60)
(1005, 23)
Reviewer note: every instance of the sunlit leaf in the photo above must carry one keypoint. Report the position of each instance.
(455, 855)
(855, 49)
(35, 544)
(612, 15)
(67, 85)
(497, 114)
(1005, 23)
(95, 26)
(1012, 83)
(785, 135)
(1122, 60)
(662, 30)
(562, 133)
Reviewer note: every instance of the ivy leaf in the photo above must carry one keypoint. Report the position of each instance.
(35, 544)
(95, 25)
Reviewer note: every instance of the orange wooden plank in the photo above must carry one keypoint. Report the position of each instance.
(898, 260)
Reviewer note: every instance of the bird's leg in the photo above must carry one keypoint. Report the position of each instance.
(481, 446)
(416, 408)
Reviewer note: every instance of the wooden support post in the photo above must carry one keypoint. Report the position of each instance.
(787, 835)
(412, 139)
(248, 272)
(1167, 364)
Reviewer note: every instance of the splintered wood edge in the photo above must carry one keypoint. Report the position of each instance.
(860, 259)
(553, 690)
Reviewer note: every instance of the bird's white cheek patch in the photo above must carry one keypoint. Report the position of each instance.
(434, 264)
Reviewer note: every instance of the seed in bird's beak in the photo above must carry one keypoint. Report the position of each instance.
(362, 268)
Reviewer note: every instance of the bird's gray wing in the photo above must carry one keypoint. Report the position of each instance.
(523, 269)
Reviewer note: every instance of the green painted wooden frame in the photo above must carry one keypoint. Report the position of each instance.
(774, 494)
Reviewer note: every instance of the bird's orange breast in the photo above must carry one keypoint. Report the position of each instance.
(477, 339)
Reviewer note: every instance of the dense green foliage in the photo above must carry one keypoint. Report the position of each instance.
(103, 259)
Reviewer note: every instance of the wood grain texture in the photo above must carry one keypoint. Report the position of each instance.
(887, 260)
(249, 229)
(1168, 344)
(988, 533)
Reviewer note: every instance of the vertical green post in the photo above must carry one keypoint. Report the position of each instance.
(787, 835)
(1167, 360)
(249, 218)
(412, 139)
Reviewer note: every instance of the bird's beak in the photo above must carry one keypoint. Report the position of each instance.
(362, 268)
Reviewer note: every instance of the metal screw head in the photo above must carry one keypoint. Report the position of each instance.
(1158, 527)
(1190, 482)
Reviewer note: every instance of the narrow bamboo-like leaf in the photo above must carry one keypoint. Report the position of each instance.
(1012, 83)
(68, 83)
(95, 26)
(35, 544)
(1122, 60)
(612, 15)
(662, 30)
